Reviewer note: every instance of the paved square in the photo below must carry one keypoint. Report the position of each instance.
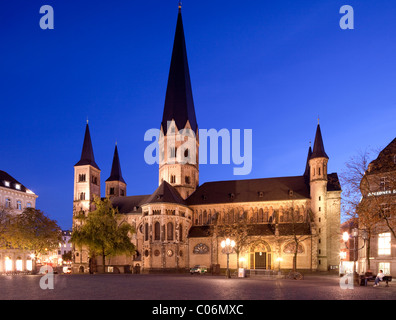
(185, 287)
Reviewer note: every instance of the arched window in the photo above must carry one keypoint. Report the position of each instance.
(146, 232)
(19, 205)
(261, 215)
(169, 231)
(173, 179)
(157, 231)
(8, 203)
(205, 217)
(180, 232)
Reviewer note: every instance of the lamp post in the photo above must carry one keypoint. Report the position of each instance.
(228, 245)
(355, 233)
(279, 259)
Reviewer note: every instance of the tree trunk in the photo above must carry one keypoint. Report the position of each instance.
(104, 261)
(368, 247)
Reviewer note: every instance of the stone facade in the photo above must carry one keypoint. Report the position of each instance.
(14, 198)
(176, 225)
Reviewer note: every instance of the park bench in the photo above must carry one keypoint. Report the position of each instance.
(369, 276)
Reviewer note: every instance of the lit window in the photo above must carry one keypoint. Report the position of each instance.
(17, 186)
(384, 266)
(7, 183)
(29, 265)
(384, 243)
(18, 264)
(8, 264)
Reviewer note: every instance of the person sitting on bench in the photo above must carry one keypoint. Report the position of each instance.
(379, 277)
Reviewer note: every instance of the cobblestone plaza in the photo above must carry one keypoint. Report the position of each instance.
(186, 287)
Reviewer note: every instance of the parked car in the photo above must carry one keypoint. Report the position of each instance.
(198, 269)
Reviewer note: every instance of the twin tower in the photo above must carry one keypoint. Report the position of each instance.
(316, 191)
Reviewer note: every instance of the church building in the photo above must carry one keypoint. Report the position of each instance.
(178, 225)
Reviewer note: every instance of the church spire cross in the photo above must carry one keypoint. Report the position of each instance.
(179, 104)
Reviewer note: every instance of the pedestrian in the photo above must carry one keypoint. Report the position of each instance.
(379, 277)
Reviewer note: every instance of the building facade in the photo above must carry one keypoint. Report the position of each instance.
(378, 188)
(178, 224)
(14, 198)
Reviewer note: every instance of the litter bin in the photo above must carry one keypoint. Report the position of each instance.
(241, 273)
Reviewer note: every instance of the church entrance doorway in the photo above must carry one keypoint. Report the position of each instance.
(260, 257)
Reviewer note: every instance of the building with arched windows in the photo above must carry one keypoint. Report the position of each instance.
(180, 224)
(14, 198)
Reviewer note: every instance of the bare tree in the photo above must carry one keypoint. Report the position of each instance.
(369, 194)
(297, 229)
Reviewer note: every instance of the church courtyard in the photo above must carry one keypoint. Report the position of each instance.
(186, 287)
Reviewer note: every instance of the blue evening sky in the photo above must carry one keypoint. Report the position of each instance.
(269, 66)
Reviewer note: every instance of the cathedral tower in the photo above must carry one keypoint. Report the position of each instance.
(179, 142)
(115, 184)
(86, 177)
(318, 190)
(86, 186)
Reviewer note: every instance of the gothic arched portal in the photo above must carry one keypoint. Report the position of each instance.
(260, 256)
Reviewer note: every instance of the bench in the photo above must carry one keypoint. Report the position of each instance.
(369, 276)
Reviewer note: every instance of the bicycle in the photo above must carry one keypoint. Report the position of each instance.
(295, 275)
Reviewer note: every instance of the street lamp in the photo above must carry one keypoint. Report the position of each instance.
(346, 236)
(279, 259)
(228, 245)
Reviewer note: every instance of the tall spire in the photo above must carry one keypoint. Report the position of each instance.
(318, 149)
(116, 174)
(306, 172)
(87, 155)
(179, 104)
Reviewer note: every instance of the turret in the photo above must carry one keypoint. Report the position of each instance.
(115, 184)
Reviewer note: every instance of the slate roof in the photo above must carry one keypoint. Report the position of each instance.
(386, 160)
(116, 174)
(5, 177)
(179, 104)
(318, 149)
(250, 190)
(255, 190)
(307, 169)
(87, 155)
(129, 204)
(165, 193)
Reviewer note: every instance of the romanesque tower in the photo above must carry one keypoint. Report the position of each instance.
(318, 190)
(115, 184)
(86, 186)
(179, 141)
(86, 177)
